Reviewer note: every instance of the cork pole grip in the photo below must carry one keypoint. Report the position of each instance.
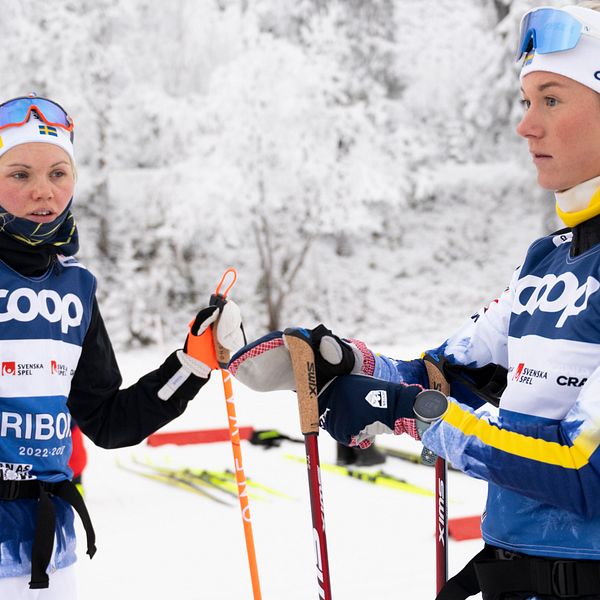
(223, 355)
(437, 381)
(305, 375)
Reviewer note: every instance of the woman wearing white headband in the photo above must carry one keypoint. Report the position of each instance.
(535, 350)
(57, 360)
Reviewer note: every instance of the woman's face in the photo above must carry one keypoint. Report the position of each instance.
(562, 127)
(36, 181)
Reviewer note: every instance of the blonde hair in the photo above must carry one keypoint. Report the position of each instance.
(592, 4)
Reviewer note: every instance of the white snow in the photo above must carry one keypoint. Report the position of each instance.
(157, 542)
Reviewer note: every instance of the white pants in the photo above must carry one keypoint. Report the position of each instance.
(63, 586)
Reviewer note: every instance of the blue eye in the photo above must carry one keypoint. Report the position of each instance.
(525, 103)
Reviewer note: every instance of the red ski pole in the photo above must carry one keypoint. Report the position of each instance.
(305, 375)
(441, 524)
(438, 382)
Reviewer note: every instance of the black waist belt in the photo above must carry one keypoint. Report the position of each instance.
(522, 574)
(43, 541)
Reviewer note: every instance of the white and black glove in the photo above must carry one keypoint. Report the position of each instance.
(265, 365)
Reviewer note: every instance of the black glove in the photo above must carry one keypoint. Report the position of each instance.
(264, 365)
(333, 356)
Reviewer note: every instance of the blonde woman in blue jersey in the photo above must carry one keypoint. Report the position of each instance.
(56, 359)
(535, 351)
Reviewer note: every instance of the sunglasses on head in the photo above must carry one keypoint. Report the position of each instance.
(17, 111)
(547, 30)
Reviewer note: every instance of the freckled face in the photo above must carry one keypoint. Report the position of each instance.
(36, 181)
(562, 128)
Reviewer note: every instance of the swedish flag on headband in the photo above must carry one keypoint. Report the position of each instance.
(48, 130)
(528, 58)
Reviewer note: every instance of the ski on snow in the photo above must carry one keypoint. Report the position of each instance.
(204, 482)
(172, 479)
(373, 477)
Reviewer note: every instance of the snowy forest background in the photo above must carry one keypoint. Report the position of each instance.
(355, 160)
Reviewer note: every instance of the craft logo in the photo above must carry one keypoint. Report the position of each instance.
(570, 381)
(524, 375)
(57, 368)
(9, 368)
(1, 142)
(377, 398)
(596, 75)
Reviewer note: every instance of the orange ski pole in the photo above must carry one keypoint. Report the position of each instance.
(219, 299)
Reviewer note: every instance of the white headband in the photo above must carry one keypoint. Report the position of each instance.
(581, 63)
(35, 130)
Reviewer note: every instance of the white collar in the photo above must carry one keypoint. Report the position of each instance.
(578, 197)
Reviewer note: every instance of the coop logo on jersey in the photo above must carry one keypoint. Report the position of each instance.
(25, 304)
(377, 398)
(551, 294)
(527, 376)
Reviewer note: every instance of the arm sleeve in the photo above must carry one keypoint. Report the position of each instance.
(112, 417)
(554, 463)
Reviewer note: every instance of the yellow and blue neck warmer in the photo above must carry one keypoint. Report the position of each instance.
(579, 203)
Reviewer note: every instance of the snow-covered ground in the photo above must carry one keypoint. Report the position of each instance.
(157, 542)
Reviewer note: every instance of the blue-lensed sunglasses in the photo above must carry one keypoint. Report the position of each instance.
(17, 111)
(547, 30)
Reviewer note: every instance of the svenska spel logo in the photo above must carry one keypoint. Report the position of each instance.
(57, 368)
(9, 368)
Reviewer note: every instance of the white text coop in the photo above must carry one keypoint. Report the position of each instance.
(25, 304)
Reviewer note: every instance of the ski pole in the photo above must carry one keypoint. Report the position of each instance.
(219, 299)
(441, 524)
(305, 376)
(438, 382)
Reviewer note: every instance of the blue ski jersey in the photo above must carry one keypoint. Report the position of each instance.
(43, 322)
(540, 453)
